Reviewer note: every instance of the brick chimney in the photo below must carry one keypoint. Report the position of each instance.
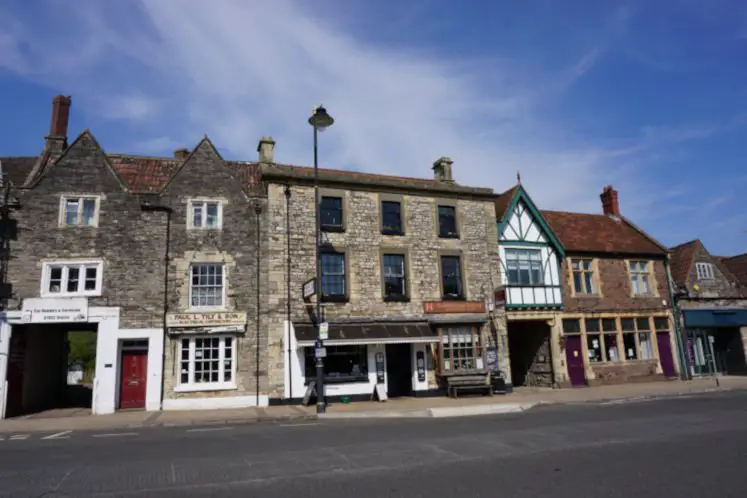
(610, 204)
(181, 154)
(266, 149)
(57, 138)
(442, 170)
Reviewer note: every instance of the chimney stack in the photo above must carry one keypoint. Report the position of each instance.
(181, 154)
(266, 149)
(442, 170)
(610, 204)
(57, 139)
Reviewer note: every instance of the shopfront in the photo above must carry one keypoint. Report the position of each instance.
(716, 341)
(360, 356)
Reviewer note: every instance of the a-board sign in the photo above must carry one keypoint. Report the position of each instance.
(491, 354)
(310, 391)
(380, 390)
(380, 368)
(420, 364)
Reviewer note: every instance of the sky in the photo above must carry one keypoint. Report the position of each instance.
(650, 97)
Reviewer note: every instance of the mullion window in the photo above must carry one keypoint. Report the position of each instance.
(640, 276)
(524, 267)
(451, 277)
(207, 361)
(395, 280)
(583, 276)
(333, 275)
(80, 211)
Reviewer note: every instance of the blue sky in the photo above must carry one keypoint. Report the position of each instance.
(650, 97)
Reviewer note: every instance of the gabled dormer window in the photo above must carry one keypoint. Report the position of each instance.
(79, 211)
(704, 271)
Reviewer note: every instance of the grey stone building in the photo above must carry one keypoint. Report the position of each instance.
(409, 268)
(712, 308)
(159, 256)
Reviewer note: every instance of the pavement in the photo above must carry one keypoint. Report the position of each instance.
(440, 407)
(690, 445)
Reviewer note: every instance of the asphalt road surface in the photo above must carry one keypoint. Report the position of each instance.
(694, 446)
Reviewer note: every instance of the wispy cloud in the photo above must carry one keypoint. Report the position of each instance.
(238, 70)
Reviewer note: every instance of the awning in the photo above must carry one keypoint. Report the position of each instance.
(368, 333)
(715, 317)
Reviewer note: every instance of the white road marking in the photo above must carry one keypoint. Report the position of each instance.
(210, 429)
(19, 436)
(298, 425)
(116, 434)
(59, 435)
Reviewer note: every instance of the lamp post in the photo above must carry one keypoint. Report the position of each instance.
(320, 121)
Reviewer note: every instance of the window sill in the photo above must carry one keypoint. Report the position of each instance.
(339, 380)
(194, 388)
(78, 226)
(396, 233)
(448, 235)
(332, 228)
(396, 299)
(587, 296)
(453, 298)
(63, 295)
(205, 229)
(335, 299)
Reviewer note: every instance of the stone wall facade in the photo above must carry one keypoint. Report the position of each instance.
(363, 246)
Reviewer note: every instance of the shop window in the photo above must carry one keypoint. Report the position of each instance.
(644, 338)
(611, 346)
(207, 363)
(461, 349)
(629, 343)
(594, 340)
(571, 326)
(342, 364)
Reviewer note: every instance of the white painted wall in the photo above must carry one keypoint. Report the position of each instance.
(5, 330)
(297, 369)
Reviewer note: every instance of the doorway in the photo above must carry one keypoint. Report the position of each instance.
(50, 368)
(133, 375)
(399, 370)
(529, 348)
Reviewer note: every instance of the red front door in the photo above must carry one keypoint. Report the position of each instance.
(133, 380)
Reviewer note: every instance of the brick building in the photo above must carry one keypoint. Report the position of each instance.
(712, 308)
(408, 268)
(130, 247)
(617, 323)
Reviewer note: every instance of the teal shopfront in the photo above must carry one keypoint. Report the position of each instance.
(715, 340)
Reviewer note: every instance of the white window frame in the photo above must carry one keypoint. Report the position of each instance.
(636, 274)
(80, 198)
(529, 260)
(202, 205)
(191, 385)
(47, 267)
(705, 271)
(224, 293)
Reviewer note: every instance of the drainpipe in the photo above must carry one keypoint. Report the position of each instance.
(684, 363)
(288, 288)
(258, 212)
(168, 211)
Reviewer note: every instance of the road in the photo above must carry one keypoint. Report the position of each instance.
(694, 446)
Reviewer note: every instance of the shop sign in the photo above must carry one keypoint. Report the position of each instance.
(55, 310)
(205, 319)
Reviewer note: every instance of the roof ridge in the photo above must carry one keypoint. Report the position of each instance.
(683, 244)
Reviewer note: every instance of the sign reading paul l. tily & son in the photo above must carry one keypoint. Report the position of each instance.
(207, 322)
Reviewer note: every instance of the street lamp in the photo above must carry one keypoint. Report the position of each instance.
(320, 121)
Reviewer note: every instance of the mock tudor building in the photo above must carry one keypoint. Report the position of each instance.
(531, 288)
(617, 322)
(408, 267)
(161, 263)
(713, 311)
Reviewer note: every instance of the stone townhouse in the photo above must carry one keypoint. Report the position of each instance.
(158, 256)
(617, 321)
(408, 268)
(712, 309)
(586, 296)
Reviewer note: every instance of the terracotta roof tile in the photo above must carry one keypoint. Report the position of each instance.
(737, 265)
(144, 174)
(583, 232)
(18, 168)
(681, 261)
(502, 202)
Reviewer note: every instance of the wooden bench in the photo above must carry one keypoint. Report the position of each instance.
(457, 383)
